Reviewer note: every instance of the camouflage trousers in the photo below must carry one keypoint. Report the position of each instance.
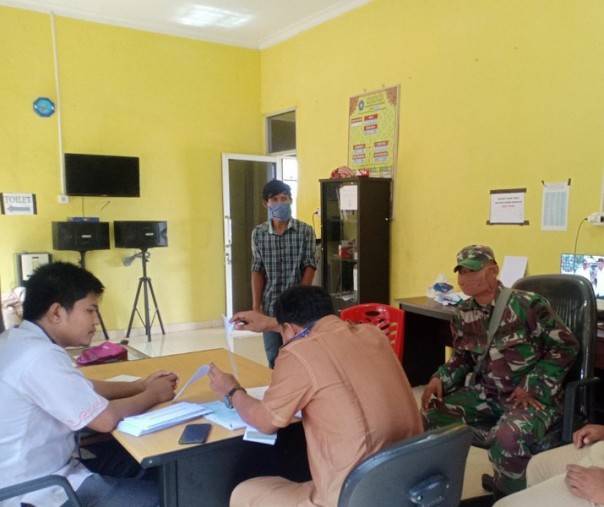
(509, 433)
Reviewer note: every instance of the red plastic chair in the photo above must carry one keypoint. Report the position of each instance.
(389, 319)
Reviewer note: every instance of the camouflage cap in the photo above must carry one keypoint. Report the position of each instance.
(474, 257)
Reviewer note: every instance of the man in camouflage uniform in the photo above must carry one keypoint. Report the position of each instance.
(517, 394)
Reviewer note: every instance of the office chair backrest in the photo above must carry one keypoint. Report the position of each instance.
(425, 470)
(41, 483)
(389, 319)
(573, 299)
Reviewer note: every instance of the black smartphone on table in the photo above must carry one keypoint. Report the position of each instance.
(195, 433)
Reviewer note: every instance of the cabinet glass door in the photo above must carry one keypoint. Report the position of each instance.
(340, 241)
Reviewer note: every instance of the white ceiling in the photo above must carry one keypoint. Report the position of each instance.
(247, 23)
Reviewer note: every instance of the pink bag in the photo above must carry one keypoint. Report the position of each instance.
(106, 352)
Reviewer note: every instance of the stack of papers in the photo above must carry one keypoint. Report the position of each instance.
(226, 417)
(229, 418)
(171, 415)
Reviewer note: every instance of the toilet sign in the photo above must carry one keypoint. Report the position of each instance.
(18, 204)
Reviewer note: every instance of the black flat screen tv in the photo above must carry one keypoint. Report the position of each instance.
(101, 175)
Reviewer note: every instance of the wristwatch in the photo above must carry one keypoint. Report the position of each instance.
(228, 397)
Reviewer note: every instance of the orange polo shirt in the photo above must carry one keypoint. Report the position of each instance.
(354, 396)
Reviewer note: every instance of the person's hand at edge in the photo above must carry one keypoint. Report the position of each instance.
(588, 434)
(220, 382)
(254, 321)
(433, 388)
(520, 397)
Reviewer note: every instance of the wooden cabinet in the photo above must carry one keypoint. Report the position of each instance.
(355, 240)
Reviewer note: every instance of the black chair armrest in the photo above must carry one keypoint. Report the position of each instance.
(570, 401)
(38, 484)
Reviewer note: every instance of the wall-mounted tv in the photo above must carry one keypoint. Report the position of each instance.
(101, 175)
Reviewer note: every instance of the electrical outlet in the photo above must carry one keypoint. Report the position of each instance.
(63, 199)
(596, 218)
(318, 212)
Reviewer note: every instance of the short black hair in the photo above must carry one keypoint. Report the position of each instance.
(275, 187)
(302, 305)
(57, 282)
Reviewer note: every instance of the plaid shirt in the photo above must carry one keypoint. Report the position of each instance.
(282, 259)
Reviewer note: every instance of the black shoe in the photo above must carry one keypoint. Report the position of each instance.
(488, 483)
(498, 495)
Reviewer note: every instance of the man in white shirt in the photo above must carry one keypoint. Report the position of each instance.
(600, 278)
(584, 270)
(46, 400)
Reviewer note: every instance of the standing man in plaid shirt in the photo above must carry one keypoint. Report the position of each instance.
(283, 255)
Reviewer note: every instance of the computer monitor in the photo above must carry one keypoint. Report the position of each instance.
(586, 265)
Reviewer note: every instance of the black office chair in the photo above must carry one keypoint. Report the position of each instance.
(425, 470)
(39, 484)
(573, 299)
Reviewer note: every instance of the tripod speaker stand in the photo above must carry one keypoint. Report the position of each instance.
(145, 282)
(98, 312)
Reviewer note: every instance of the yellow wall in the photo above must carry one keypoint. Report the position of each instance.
(493, 95)
(175, 103)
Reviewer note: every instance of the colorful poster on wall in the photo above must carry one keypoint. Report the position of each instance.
(373, 132)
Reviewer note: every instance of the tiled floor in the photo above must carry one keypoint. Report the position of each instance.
(250, 345)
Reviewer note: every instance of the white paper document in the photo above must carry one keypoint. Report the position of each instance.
(228, 328)
(507, 206)
(554, 214)
(202, 370)
(514, 268)
(229, 418)
(253, 435)
(156, 420)
(123, 378)
(226, 417)
(348, 198)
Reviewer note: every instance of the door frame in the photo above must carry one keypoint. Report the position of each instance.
(227, 240)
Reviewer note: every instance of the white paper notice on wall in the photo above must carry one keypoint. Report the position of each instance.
(554, 215)
(507, 207)
(348, 198)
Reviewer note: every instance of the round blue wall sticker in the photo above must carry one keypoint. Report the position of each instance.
(44, 107)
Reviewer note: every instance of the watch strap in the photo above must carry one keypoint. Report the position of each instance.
(230, 394)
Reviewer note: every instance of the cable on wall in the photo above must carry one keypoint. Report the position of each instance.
(58, 92)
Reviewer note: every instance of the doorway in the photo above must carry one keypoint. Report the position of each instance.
(243, 178)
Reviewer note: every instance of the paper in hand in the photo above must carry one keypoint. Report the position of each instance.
(228, 328)
(202, 370)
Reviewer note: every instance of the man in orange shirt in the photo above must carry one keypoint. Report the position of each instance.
(354, 397)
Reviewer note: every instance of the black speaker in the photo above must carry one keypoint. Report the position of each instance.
(80, 236)
(142, 235)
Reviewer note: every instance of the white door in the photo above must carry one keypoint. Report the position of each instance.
(243, 177)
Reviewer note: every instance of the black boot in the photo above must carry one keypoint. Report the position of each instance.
(498, 494)
(488, 482)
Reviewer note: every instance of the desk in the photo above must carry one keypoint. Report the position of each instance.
(427, 332)
(207, 473)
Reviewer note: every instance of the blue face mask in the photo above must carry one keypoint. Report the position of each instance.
(281, 212)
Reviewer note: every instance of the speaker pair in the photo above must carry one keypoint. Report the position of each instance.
(85, 236)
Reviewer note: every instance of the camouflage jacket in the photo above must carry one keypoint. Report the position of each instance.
(532, 348)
